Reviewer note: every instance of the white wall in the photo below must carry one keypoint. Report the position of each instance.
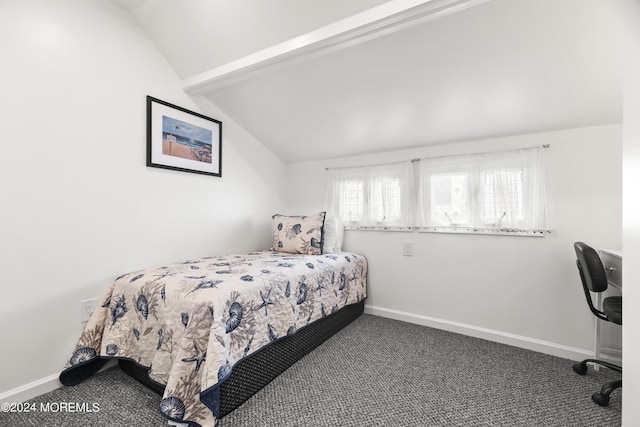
(631, 218)
(78, 206)
(519, 290)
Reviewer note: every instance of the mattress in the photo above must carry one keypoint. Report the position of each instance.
(191, 322)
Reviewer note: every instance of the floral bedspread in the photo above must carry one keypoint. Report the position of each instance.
(190, 322)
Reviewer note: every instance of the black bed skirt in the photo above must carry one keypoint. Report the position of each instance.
(256, 371)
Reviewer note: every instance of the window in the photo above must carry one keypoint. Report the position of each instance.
(500, 192)
(386, 199)
(449, 198)
(352, 200)
(499, 187)
(379, 196)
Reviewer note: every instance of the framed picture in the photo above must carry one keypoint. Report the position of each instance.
(182, 140)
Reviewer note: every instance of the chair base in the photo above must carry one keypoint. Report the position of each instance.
(601, 398)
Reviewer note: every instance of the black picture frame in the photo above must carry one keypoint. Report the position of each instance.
(182, 140)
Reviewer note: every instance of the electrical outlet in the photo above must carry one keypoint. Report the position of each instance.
(407, 248)
(87, 306)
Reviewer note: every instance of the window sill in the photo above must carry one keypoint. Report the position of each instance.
(454, 230)
(484, 231)
(378, 228)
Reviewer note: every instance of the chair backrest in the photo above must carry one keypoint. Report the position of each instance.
(592, 272)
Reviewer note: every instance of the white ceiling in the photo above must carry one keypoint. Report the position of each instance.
(500, 67)
(196, 35)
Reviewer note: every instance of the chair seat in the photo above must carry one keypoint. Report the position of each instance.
(612, 308)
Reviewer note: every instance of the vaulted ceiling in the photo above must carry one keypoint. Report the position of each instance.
(315, 79)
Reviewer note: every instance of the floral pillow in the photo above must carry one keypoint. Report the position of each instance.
(298, 234)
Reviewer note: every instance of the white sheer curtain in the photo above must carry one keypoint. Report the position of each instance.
(488, 192)
(500, 192)
(373, 197)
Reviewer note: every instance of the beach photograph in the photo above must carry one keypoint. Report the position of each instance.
(185, 140)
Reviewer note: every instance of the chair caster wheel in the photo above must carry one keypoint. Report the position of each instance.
(600, 399)
(580, 368)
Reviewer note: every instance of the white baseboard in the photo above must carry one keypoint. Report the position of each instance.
(31, 390)
(39, 387)
(528, 343)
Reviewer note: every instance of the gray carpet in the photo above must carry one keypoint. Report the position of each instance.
(376, 372)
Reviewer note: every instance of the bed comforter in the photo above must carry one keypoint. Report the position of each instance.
(190, 322)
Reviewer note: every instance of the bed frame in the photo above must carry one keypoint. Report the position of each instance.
(259, 369)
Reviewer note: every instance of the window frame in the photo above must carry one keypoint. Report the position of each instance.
(528, 218)
(373, 204)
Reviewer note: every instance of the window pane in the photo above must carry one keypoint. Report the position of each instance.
(386, 199)
(352, 200)
(503, 195)
(449, 199)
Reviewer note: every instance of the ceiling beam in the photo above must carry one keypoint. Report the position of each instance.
(384, 19)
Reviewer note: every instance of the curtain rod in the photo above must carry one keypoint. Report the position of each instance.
(435, 157)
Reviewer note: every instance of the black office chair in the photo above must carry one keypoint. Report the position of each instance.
(594, 279)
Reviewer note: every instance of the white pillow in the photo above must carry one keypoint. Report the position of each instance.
(333, 235)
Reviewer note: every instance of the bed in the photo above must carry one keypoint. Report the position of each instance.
(208, 333)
